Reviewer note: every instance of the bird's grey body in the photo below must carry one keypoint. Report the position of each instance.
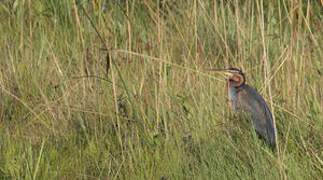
(249, 100)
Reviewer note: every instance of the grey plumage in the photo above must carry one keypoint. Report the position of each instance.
(261, 117)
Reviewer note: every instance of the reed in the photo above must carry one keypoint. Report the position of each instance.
(115, 89)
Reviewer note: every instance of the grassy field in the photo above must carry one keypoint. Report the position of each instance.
(116, 89)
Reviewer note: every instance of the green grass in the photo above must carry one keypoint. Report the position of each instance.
(148, 111)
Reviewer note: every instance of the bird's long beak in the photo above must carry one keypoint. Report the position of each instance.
(226, 72)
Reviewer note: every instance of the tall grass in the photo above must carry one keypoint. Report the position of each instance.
(114, 89)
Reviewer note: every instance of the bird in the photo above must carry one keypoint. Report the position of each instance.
(249, 100)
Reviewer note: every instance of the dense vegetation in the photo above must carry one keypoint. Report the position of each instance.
(115, 89)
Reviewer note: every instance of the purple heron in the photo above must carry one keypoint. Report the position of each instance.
(249, 100)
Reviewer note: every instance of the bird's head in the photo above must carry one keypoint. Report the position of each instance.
(235, 76)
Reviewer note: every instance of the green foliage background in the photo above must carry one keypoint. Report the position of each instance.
(98, 89)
